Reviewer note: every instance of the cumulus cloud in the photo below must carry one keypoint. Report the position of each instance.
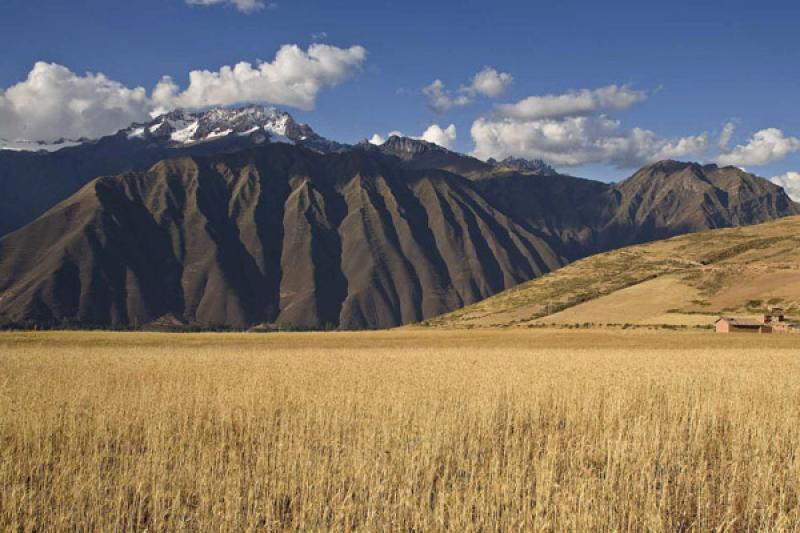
(54, 102)
(294, 78)
(491, 83)
(575, 141)
(573, 103)
(444, 137)
(763, 147)
(572, 129)
(790, 183)
(488, 82)
(245, 6)
(437, 135)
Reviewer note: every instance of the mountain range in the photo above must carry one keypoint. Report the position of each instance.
(243, 217)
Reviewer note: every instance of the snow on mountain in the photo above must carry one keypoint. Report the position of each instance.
(253, 124)
(23, 145)
(187, 127)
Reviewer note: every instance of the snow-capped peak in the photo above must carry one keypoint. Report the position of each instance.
(244, 126)
(187, 127)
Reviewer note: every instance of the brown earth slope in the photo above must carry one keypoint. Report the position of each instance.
(688, 280)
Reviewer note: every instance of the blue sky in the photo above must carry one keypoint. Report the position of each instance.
(692, 67)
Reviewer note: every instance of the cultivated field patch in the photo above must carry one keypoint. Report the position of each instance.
(513, 430)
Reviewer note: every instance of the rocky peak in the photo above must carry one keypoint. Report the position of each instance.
(407, 146)
(535, 166)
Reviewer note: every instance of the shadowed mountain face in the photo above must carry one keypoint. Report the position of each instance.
(368, 237)
(33, 181)
(279, 235)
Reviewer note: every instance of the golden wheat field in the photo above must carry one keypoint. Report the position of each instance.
(542, 430)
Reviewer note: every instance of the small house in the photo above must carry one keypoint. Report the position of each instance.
(742, 325)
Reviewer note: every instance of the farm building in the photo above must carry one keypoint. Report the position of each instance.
(774, 321)
(744, 325)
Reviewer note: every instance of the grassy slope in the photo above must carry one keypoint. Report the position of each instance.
(687, 280)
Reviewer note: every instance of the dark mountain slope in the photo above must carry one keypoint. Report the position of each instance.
(417, 154)
(32, 182)
(279, 234)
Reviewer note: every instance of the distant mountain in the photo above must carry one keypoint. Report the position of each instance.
(671, 197)
(278, 234)
(532, 166)
(35, 175)
(687, 281)
(418, 154)
(668, 198)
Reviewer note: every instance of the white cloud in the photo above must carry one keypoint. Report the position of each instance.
(55, 102)
(573, 103)
(444, 137)
(294, 78)
(725, 136)
(245, 6)
(571, 130)
(575, 141)
(488, 82)
(319, 36)
(763, 147)
(491, 83)
(376, 139)
(790, 183)
(441, 99)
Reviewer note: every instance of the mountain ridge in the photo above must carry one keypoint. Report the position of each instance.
(282, 236)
